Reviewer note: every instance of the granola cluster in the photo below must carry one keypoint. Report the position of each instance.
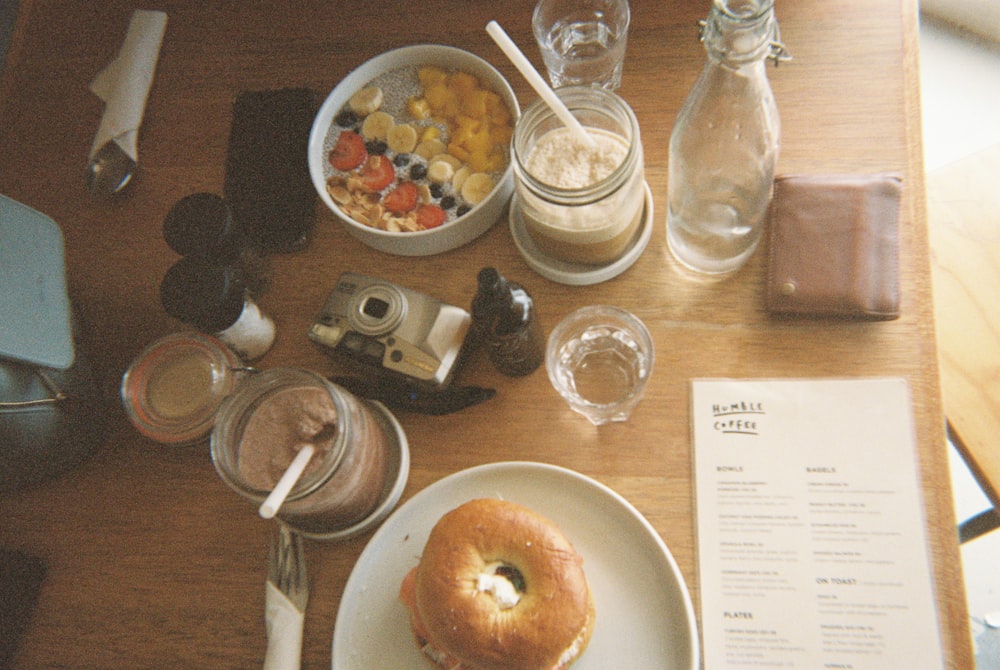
(366, 207)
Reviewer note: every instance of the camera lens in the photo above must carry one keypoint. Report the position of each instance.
(375, 308)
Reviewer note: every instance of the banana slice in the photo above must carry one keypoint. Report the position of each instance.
(376, 125)
(476, 187)
(446, 158)
(440, 172)
(366, 101)
(402, 138)
(430, 148)
(458, 179)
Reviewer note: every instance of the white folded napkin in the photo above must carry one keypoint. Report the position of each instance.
(283, 622)
(124, 84)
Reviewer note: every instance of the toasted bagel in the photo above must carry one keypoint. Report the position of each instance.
(499, 587)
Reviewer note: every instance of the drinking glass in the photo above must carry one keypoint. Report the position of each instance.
(582, 41)
(599, 359)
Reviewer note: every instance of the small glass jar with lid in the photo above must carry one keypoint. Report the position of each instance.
(580, 202)
(174, 387)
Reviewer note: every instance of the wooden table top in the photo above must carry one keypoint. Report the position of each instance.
(154, 562)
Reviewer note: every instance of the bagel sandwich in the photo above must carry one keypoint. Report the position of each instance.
(499, 586)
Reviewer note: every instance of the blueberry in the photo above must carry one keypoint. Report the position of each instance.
(447, 202)
(346, 119)
(464, 209)
(401, 160)
(437, 190)
(418, 172)
(376, 147)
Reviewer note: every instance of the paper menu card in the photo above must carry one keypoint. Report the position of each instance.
(811, 544)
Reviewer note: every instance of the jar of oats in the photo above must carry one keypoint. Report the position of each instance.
(581, 202)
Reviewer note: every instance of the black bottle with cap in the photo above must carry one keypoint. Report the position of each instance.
(214, 299)
(503, 316)
(202, 225)
(212, 287)
(209, 297)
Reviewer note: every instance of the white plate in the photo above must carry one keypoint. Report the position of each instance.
(578, 274)
(644, 614)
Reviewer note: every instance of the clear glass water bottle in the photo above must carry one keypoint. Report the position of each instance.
(724, 145)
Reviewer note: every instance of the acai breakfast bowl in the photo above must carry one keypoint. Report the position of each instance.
(411, 151)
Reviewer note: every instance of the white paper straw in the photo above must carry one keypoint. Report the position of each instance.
(270, 506)
(522, 63)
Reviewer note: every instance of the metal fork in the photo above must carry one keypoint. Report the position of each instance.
(286, 597)
(286, 567)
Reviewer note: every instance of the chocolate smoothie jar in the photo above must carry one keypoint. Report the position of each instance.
(260, 429)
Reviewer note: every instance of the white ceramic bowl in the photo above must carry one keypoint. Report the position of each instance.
(456, 232)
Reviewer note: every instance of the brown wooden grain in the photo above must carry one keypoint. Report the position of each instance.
(963, 215)
(153, 562)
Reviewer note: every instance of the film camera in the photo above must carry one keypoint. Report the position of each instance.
(393, 329)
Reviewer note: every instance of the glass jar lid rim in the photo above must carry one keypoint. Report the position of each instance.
(139, 382)
(539, 110)
(266, 384)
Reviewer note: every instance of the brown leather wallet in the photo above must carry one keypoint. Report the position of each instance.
(834, 246)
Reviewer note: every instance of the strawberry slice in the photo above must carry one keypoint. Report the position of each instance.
(430, 216)
(349, 152)
(377, 173)
(402, 199)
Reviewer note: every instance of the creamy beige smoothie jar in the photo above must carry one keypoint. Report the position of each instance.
(261, 427)
(581, 202)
